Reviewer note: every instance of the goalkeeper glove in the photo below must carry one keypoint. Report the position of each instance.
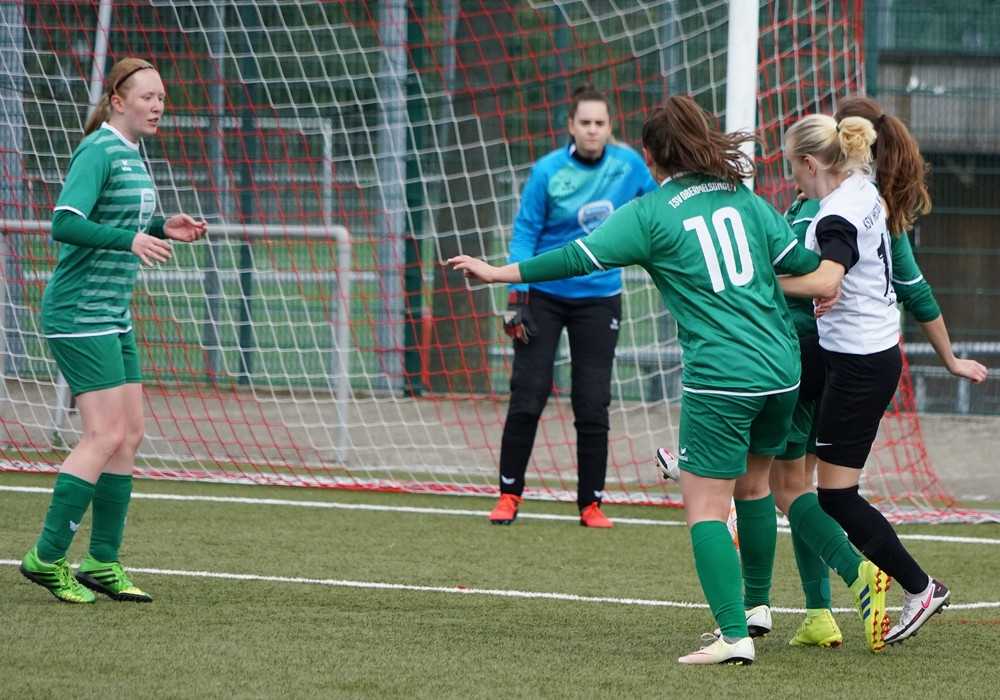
(517, 321)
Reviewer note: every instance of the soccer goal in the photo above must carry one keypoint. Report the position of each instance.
(341, 151)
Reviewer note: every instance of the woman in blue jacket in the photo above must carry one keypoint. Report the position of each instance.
(569, 193)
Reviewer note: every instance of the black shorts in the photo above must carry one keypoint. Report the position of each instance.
(857, 391)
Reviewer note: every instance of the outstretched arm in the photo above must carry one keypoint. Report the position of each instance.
(937, 335)
(474, 268)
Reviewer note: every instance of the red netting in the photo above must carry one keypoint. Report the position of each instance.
(341, 151)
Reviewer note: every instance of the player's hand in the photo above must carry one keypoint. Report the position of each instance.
(821, 307)
(151, 250)
(473, 268)
(970, 369)
(184, 228)
(517, 321)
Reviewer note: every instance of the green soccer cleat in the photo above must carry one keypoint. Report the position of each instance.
(57, 577)
(819, 629)
(869, 598)
(110, 580)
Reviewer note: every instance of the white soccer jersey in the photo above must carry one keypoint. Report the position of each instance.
(850, 228)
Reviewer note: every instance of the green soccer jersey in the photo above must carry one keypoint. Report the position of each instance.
(912, 290)
(799, 216)
(90, 290)
(712, 252)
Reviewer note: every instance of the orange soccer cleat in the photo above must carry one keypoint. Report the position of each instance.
(506, 509)
(591, 516)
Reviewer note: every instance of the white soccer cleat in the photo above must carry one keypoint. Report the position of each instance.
(668, 464)
(758, 622)
(918, 608)
(738, 653)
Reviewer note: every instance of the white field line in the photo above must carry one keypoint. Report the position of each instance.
(449, 511)
(464, 590)
(345, 506)
(374, 585)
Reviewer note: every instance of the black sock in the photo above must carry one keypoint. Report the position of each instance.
(515, 451)
(871, 533)
(592, 467)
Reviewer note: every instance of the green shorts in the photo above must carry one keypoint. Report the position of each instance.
(802, 435)
(97, 362)
(718, 430)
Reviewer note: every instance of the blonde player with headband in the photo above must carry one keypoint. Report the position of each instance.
(104, 220)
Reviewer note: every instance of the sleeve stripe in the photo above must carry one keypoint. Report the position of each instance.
(590, 255)
(908, 282)
(783, 253)
(71, 209)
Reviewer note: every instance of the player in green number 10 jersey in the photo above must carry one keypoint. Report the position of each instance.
(712, 247)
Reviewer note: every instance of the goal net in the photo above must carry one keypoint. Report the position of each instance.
(341, 151)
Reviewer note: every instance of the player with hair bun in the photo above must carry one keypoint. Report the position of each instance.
(831, 161)
(899, 175)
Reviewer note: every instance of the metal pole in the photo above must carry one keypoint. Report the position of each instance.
(13, 199)
(249, 129)
(101, 41)
(413, 275)
(214, 207)
(391, 172)
(98, 67)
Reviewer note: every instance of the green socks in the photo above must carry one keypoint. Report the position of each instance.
(718, 568)
(71, 497)
(757, 522)
(814, 575)
(112, 494)
(824, 536)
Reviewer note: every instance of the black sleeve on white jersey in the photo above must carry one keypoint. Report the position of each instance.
(838, 240)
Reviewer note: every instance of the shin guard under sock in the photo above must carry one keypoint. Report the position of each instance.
(71, 497)
(718, 568)
(757, 522)
(112, 495)
(874, 537)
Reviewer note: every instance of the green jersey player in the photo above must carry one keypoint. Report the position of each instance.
(711, 247)
(104, 220)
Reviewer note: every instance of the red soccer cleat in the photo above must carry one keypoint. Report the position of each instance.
(591, 516)
(506, 509)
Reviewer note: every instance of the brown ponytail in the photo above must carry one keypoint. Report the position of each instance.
(900, 170)
(678, 137)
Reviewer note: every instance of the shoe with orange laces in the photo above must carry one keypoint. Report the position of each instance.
(591, 516)
(506, 509)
